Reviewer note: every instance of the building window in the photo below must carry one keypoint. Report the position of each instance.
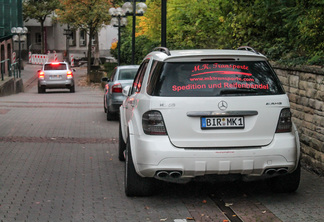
(38, 38)
(72, 40)
(83, 38)
(93, 40)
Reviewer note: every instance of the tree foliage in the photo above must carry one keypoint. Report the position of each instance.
(39, 10)
(288, 31)
(88, 15)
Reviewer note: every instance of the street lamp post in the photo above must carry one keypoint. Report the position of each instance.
(163, 23)
(118, 20)
(20, 37)
(134, 10)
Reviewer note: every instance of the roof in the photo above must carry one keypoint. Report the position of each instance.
(127, 66)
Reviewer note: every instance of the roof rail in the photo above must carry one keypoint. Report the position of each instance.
(247, 48)
(162, 49)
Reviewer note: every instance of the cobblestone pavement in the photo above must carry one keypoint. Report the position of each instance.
(59, 162)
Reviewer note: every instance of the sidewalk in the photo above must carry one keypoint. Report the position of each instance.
(29, 75)
(29, 71)
(12, 85)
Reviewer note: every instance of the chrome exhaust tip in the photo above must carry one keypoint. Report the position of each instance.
(168, 174)
(270, 172)
(175, 174)
(282, 171)
(162, 174)
(276, 171)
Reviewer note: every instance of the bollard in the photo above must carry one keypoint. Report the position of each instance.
(29, 57)
(55, 56)
(13, 57)
(72, 60)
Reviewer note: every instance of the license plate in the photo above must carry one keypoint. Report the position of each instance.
(222, 122)
(55, 77)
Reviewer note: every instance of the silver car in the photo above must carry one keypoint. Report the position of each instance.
(56, 75)
(121, 76)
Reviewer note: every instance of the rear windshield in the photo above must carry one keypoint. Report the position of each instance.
(213, 79)
(55, 66)
(125, 74)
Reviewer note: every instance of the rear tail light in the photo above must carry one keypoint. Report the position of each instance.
(41, 75)
(153, 123)
(117, 88)
(284, 122)
(69, 75)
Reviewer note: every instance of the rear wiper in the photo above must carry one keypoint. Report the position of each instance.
(238, 91)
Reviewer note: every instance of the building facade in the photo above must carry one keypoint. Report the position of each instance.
(10, 16)
(77, 43)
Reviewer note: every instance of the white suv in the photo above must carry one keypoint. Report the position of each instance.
(193, 113)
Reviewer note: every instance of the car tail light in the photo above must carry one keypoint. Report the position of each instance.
(69, 75)
(41, 75)
(284, 122)
(153, 123)
(117, 88)
(55, 63)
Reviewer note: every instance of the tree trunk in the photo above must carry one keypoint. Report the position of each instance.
(96, 61)
(89, 51)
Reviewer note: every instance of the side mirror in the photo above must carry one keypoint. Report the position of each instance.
(74, 70)
(126, 90)
(39, 70)
(104, 79)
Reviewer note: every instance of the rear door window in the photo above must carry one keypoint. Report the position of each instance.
(113, 74)
(137, 84)
(214, 79)
(55, 66)
(127, 74)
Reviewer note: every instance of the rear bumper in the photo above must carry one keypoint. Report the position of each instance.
(56, 84)
(155, 153)
(115, 102)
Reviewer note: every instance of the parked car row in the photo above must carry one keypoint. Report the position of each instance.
(196, 113)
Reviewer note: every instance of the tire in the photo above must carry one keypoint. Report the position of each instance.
(110, 115)
(105, 109)
(287, 183)
(121, 145)
(136, 185)
(41, 89)
(72, 89)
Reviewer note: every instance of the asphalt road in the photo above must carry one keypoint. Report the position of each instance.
(59, 162)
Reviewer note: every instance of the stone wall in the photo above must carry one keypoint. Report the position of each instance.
(305, 88)
(10, 85)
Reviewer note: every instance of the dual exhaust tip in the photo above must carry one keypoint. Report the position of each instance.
(177, 174)
(276, 171)
(170, 174)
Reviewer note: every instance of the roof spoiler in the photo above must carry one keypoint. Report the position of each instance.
(162, 49)
(248, 48)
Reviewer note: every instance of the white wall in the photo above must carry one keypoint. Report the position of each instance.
(107, 35)
(57, 41)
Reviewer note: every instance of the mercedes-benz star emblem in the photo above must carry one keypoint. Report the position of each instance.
(222, 105)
